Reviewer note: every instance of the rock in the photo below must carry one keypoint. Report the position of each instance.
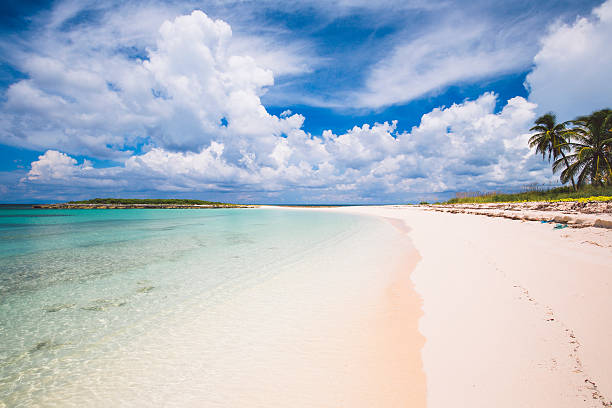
(58, 306)
(602, 223)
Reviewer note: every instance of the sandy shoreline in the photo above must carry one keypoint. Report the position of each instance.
(336, 328)
(419, 308)
(516, 313)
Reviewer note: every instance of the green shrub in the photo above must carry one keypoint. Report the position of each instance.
(154, 201)
(558, 193)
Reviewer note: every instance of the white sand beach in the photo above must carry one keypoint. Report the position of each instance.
(411, 308)
(516, 313)
(185, 192)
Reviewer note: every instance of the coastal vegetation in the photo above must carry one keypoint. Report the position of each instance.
(565, 193)
(580, 150)
(154, 201)
(590, 158)
(124, 203)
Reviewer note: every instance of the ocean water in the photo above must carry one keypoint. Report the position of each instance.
(170, 307)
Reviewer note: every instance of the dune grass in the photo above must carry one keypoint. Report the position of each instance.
(586, 193)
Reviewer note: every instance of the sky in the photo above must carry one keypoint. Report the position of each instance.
(283, 102)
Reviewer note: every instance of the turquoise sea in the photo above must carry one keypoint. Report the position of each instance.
(81, 287)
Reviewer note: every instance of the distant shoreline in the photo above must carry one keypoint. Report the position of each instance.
(69, 206)
(112, 206)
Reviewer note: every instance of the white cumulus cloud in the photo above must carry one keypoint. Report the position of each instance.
(191, 106)
(572, 74)
(453, 148)
(187, 89)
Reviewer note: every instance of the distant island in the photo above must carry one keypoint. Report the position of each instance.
(128, 203)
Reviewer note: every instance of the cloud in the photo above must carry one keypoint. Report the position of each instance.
(180, 91)
(199, 84)
(572, 74)
(453, 148)
(181, 112)
(454, 54)
(55, 168)
(53, 165)
(281, 57)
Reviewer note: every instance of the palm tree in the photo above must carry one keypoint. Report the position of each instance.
(592, 156)
(551, 139)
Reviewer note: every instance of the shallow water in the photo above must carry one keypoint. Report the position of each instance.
(84, 291)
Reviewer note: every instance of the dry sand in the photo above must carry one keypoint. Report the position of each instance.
(516, 313)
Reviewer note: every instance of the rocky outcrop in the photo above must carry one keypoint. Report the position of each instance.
(572, 213)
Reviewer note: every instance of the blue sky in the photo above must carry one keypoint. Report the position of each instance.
(273, 102)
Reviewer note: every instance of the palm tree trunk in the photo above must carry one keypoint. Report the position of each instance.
(567, 165)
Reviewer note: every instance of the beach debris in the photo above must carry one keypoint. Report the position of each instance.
(547, 221)
(57, 307)
(560, 226)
